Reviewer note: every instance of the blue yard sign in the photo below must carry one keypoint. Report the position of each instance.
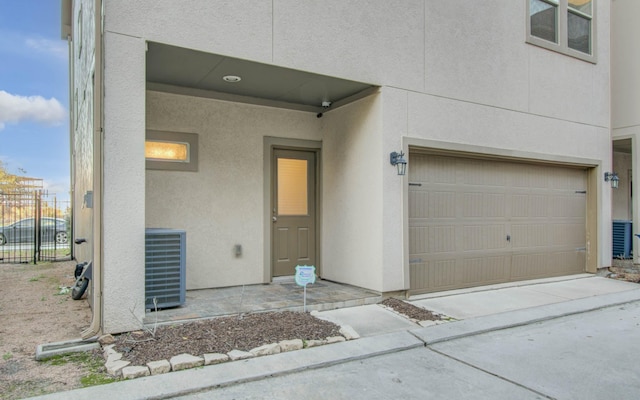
(305, 274)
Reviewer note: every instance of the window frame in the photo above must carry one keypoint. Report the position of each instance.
(191, 139)
(562, 46)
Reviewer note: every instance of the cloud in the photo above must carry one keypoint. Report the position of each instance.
(58, 186)
(14, 108)
(56, 48)
(33, 47)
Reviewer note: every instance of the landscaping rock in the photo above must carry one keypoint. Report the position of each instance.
(106, 339)
(215, 358)
(315, 343)
(266, 350)
(159, 367)
(291, 345)
(109, 349)
(114, 356)
(184, 361)
(349, 333)
(335, 339)
(134, 372)
(114, 368)
(239, 355)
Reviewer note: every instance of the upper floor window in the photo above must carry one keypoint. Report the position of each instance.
(566, 26)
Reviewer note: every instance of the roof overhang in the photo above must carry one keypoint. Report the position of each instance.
(189, 72)
(65, 19)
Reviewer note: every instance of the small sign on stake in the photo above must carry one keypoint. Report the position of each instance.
(305, 274)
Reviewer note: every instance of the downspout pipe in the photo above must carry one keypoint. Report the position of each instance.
(72, 140)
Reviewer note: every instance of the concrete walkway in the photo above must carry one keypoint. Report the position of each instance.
(384, 332)
(477, 302)
(483, 301)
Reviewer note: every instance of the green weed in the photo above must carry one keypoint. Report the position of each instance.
(62, 359)
(90, 362)
(95, 379)
(7, 356)
(36, 278)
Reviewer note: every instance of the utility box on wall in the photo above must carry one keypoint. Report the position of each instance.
(165, 268)
(622, 237)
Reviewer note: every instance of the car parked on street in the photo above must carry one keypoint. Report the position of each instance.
(51, 230)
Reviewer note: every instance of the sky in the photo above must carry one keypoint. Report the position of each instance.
(34, 93)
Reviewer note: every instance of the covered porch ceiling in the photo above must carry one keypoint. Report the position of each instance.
(189, 72)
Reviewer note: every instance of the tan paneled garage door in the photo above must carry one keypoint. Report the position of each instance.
(476, 222)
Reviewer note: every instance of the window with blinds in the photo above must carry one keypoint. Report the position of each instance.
(292, 187)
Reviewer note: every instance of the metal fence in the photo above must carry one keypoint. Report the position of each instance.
(34, 226)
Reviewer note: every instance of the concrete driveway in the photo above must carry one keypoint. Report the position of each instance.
(594, 355)
(488, 300)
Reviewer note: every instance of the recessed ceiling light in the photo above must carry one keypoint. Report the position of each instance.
(231, 78)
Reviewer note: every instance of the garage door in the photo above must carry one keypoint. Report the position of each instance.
(475, 222)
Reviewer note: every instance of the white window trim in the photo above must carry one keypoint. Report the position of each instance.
(563, 42)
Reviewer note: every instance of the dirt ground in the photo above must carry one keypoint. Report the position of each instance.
(33, 312)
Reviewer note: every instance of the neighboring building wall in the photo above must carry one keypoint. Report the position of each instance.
(625, 88)
(82, 63)
(625, 66)
(621, 197)
(221, 204)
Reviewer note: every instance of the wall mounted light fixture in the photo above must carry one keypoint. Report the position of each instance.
(613, 178)
(399, 161)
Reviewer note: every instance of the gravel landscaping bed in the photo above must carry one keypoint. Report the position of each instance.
(245, 332)
(410, 311)
(221, 335)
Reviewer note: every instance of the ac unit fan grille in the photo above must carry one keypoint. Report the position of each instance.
(622, 239)
(164, 268)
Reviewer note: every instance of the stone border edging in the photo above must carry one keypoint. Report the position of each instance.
(117, 366)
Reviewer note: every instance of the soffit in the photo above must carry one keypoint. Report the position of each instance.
(181, 70)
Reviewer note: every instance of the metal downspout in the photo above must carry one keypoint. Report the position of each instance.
(72, 140)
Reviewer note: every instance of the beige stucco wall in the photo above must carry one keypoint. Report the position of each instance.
(353, 160)
(380, 42)
(221, 204)
(123, 182)
(449, 72)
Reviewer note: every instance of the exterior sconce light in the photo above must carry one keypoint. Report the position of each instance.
(398, 160)
(613, 178)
